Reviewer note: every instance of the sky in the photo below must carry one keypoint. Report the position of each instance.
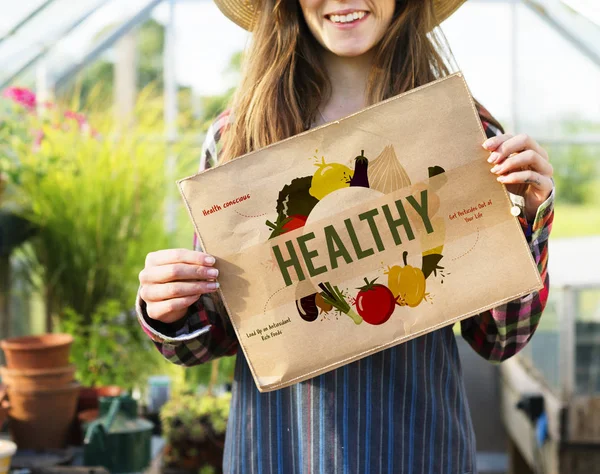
(553, 79)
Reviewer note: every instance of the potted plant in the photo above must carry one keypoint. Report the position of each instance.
(194, 430)
(96, 198)
(111, 356)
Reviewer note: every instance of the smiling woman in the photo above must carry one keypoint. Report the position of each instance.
(348, 30)
(400, 410)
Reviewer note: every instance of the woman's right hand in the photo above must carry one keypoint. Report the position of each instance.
(173, 280)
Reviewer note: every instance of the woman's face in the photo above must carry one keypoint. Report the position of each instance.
(348, 27)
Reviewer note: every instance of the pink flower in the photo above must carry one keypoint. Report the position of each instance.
(38, 136)
(21, 96)
(79, 118)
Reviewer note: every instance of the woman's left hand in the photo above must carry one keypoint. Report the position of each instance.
(524, 167)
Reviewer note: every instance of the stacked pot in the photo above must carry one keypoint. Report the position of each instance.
(42, 390)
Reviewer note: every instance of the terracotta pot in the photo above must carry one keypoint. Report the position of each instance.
(42, 418)
(89, 396)
(38, 378)
(37, 352)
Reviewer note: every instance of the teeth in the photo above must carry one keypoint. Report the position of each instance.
(350, 17)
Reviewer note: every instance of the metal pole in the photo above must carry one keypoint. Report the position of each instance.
(125, 78)
(43, 90)
(171, 112)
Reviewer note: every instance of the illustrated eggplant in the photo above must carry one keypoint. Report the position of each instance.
(361, 167)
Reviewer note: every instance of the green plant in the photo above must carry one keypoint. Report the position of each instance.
(194, 429)
(97, 199)
(575, 172)
(111, 350)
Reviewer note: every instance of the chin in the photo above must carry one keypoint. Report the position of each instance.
(349, 50)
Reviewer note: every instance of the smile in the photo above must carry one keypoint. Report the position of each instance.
(346, 17)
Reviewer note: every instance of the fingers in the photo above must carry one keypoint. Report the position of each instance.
(173, 280)
(502, 146)
(171, 310)
(176, 290)
(528, 159)
(532, 178)
(171, 256)
(177, 272)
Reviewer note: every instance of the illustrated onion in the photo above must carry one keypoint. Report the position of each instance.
(386, 174)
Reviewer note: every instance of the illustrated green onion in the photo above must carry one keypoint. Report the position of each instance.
(333, 296)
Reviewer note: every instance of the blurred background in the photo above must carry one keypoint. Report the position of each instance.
(105, 104)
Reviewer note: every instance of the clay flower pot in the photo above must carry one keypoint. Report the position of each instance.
(26, 379)
(37, 352)
(89, 397)
(42, 418)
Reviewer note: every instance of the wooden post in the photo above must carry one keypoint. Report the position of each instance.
(516, 462)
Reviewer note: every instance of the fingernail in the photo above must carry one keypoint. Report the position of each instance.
(501, 179)
(488, 143)
(209, 260)
(213, 285)
(495, 169)
(493, 157)
(213, 272)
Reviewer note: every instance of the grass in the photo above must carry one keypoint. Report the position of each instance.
(576, 221)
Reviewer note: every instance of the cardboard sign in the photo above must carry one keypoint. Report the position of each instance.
(361, 234)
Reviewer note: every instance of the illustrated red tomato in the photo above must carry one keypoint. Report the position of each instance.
(375, 303)
(294, 222)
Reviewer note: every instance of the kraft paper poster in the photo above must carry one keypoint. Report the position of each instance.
(361, 234)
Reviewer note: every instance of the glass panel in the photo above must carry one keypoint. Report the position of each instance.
(587, 338)
(558, 86)
(555, 89)
(479, 35)
(39, 34)
(75, 45)
(62, 34)
(543, 351)
(18, 11)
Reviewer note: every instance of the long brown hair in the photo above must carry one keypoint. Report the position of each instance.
(284, 80)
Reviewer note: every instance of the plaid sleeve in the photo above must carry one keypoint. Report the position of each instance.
(206, 332)
(501, 332)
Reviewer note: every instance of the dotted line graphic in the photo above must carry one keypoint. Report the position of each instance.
(270, 298)
(251, 217)
(471, 249)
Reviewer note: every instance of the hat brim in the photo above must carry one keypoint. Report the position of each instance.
(243, 12)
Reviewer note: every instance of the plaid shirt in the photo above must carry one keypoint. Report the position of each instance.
(401, 410)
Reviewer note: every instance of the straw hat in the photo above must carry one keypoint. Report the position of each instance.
(242, 12)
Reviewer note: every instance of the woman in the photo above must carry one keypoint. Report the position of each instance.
(403, 409)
